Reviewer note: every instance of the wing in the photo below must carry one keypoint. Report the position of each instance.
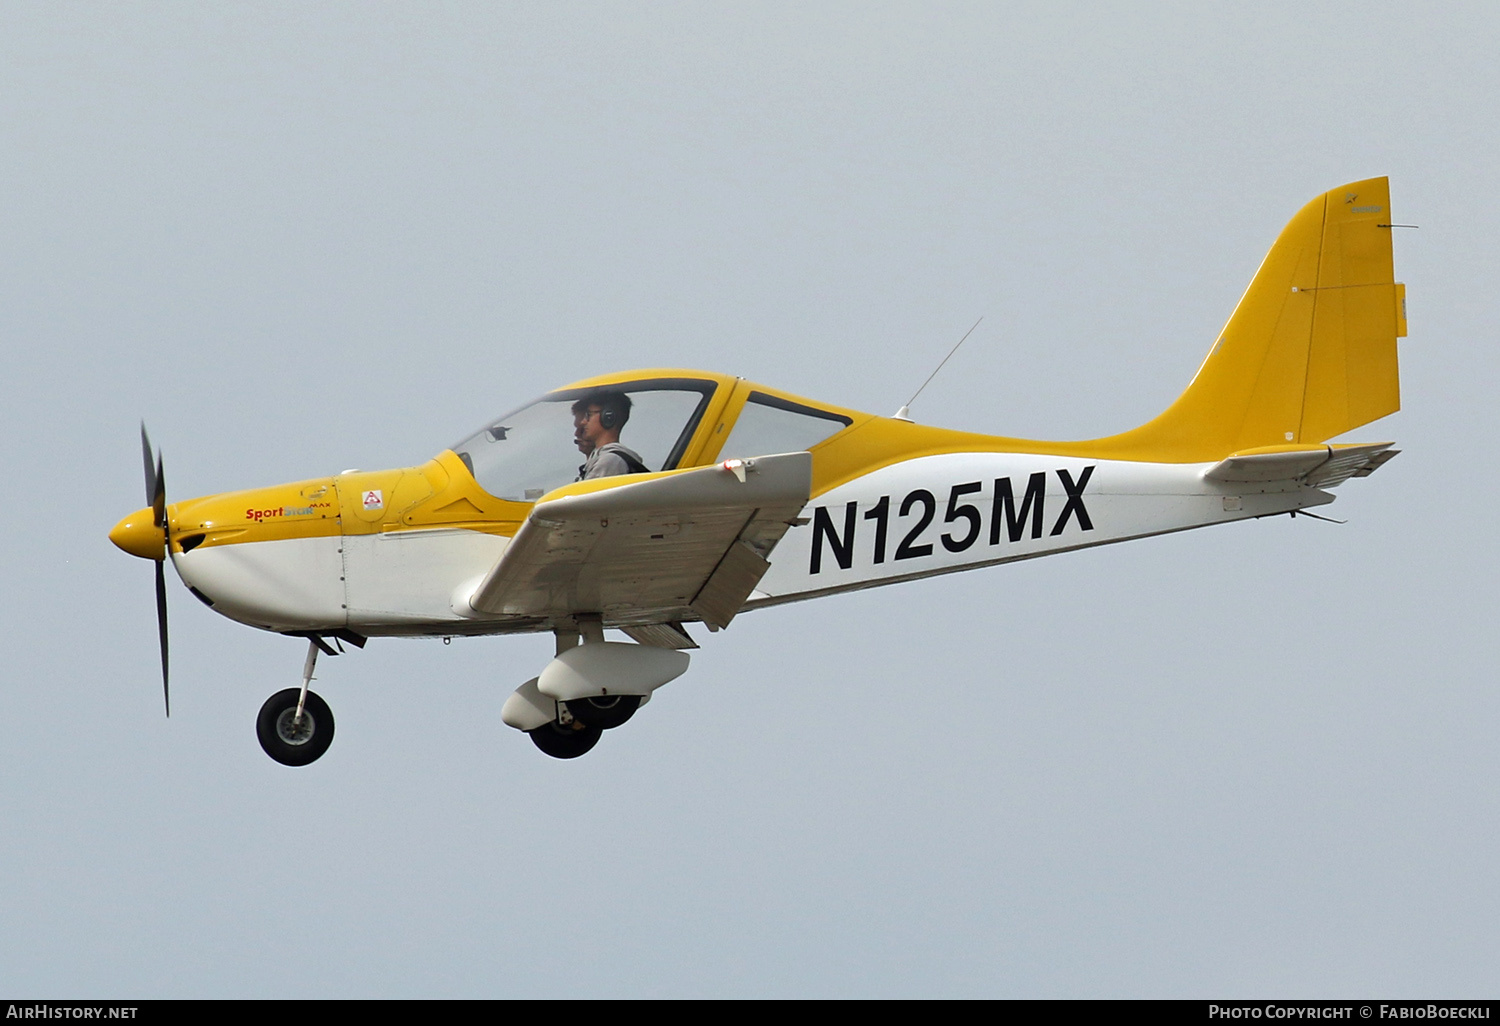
(681, 545)
(1324, 466)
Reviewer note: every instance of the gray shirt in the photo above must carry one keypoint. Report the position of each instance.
(606, 461)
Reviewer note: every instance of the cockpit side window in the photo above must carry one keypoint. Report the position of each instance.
(769, 424)
(529, 452)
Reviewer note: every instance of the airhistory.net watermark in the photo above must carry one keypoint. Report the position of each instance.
(43, 1010)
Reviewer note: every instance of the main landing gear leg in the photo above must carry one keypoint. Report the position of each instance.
(295, 726)
(567, 737)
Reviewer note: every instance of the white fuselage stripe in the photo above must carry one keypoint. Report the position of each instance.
(942, 514)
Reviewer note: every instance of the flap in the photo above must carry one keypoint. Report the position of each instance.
(680, 545)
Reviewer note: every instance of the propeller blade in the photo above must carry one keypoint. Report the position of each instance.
(161, 627)
(156, 482)
(156, 496)
(149, 457)
(159, 496)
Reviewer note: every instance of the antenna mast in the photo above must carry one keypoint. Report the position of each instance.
(905, 412)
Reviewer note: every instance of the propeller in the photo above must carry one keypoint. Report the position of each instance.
(156, 498)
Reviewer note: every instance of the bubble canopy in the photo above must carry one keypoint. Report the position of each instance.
(530, 451)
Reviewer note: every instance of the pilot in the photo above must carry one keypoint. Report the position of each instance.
(597, 422)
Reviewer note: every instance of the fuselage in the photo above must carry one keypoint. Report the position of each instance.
(397, 552)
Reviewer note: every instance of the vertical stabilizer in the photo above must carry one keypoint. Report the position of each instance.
(1310, 351)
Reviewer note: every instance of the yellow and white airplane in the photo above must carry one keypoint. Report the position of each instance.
(730, 496)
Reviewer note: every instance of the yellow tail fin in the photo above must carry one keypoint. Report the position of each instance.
(1310, 351)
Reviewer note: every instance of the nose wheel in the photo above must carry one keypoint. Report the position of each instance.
(290, 739)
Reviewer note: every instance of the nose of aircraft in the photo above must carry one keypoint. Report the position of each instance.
(138, 535)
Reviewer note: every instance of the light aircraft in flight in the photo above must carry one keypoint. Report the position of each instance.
(729, 496)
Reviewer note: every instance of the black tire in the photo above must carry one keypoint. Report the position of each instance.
(607, 712)
(562, 742)
(289, 746)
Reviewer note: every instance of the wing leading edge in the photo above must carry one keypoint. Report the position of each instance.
(680, 545)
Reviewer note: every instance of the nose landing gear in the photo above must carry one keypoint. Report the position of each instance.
(295, 726)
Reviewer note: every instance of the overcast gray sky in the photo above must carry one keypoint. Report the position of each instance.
(1253, 760)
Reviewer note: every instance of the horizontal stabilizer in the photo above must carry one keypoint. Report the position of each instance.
(1323, 466)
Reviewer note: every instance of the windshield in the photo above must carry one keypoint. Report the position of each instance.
(529, 452)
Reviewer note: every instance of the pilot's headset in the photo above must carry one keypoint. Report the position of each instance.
(609, 412)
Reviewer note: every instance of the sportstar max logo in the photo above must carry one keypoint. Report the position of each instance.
(1006, 516)
(280, 511)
